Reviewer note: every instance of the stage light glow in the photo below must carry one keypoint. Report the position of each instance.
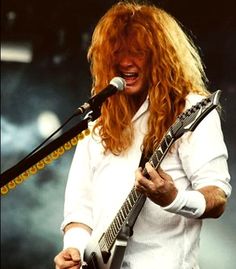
(48, 122)
(16, 52)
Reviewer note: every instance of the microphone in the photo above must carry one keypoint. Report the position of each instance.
(116, 84)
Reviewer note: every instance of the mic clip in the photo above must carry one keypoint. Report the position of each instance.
(82, 109)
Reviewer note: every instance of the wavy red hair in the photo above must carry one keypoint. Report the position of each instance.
(174, 70)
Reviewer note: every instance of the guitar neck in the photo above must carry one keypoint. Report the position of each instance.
(109, 237)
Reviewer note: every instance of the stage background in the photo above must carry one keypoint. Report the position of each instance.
(43, 87)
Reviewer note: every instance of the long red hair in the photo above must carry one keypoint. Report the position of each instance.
(174, 70)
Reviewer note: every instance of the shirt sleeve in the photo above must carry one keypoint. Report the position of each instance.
(78, 197)
(204, 155)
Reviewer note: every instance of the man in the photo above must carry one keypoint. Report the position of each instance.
(164, 75)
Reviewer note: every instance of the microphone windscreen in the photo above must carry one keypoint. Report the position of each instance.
(118, 82)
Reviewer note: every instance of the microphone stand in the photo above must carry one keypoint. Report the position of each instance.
(39, 155)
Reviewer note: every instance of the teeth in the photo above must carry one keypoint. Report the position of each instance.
(130, 74)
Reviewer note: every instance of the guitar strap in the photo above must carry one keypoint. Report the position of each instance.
(139, 204)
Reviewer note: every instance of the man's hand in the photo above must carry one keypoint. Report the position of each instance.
(160, 187)
(68, 259)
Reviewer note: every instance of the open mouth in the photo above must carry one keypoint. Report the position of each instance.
(130, 77)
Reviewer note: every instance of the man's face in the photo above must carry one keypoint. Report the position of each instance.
(132, 67)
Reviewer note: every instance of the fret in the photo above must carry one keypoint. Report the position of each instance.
(116, 224)
(121, 216)
(122, 213)
(159, 154)
(113, 229)
(129, 203)
(155, 160)
(166, 141)
(113, 232)
(166, 146)
(112, 235)
(126, 211)
(108, 237)
(156, 157)
(110, 244)
(136, 195)
(169, 138)
(127, 208)
(132, 198)
(163, 146)
(118, 220)
(152, 162)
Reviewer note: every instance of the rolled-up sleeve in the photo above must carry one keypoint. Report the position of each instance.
(204, 155)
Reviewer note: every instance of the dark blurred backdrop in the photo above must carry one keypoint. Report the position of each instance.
(45, 77)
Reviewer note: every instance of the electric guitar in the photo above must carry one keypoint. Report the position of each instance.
(107, 252)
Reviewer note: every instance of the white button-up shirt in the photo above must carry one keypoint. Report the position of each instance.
(99, 183)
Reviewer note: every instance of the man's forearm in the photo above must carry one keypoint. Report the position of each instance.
(215, 201)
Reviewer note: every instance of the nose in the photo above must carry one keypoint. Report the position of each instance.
(125, 60)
